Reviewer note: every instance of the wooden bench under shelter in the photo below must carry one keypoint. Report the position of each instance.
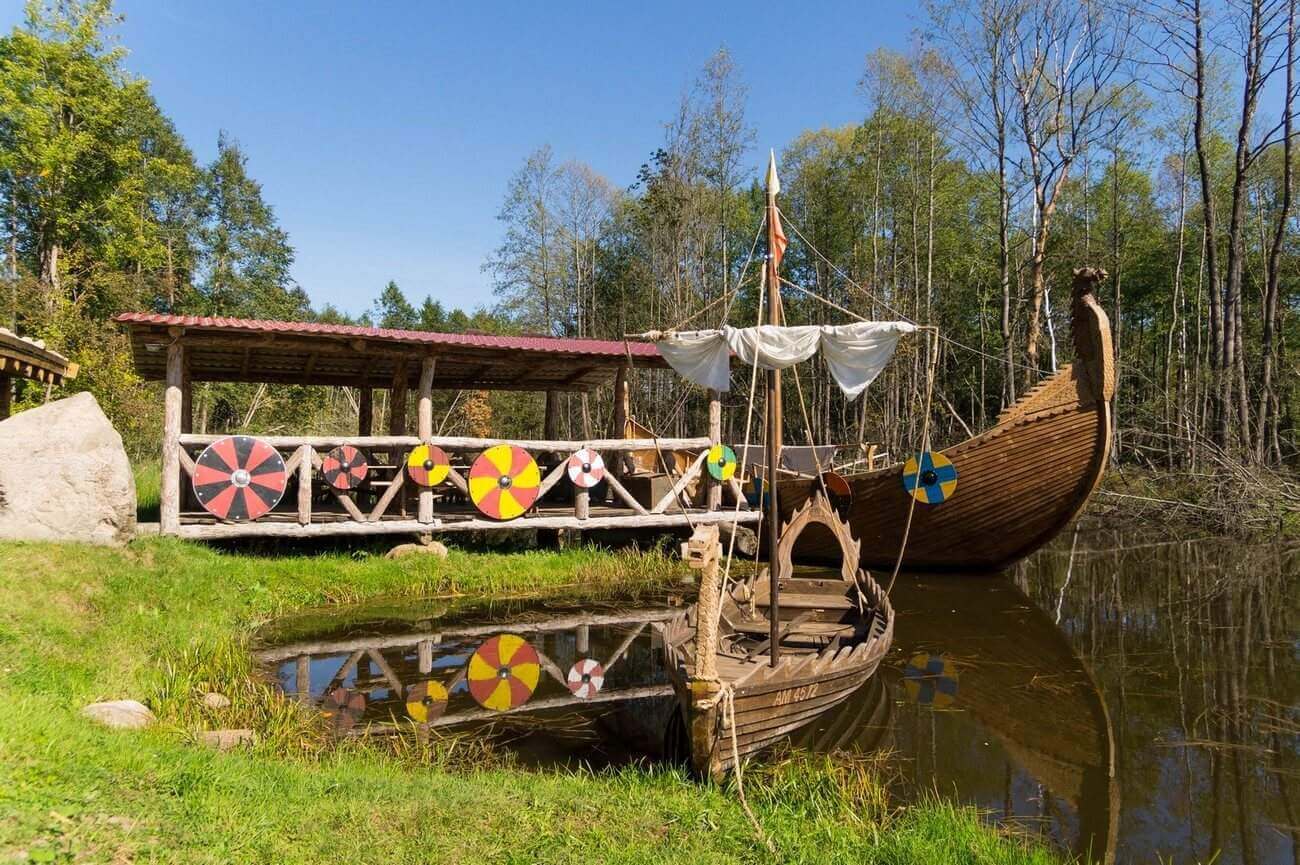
(21, 357)
(183, 350)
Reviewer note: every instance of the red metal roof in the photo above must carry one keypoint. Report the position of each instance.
(592, 347)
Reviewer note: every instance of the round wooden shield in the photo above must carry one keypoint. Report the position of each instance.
(503, 672)
(930, 477)
(426, 701)
(838, 491)
(239, 478)
(585, 678)
(586, 468)
(428, 465)
(343, 708)
(930, 680)
(503, 482)
(344, 468)
(721, 462)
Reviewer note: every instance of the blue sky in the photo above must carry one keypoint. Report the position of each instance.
(384, 134)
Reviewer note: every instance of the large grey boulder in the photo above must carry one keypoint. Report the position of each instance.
(64, 475)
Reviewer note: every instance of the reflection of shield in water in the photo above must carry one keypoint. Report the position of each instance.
(930, 680)
(586, 677)
(343, 708)
(426, 701)
(503, 672)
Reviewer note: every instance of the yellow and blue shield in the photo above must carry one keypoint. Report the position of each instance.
(930, 477)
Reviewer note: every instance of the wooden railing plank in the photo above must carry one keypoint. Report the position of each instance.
(463, 443)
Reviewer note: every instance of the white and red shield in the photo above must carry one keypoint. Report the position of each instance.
(586, 678)
(586, 468)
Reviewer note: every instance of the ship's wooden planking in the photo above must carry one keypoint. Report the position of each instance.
(1020, 482)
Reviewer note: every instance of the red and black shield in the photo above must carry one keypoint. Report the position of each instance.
(344, 468)
(239, 478)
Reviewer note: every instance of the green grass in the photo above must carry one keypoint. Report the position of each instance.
(148, 491)
(163, 621)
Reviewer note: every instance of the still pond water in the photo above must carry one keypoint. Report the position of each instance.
(1130, 697)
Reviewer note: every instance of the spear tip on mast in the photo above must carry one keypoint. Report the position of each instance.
(773, 182)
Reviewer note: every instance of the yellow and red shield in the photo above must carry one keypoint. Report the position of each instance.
(503, 482)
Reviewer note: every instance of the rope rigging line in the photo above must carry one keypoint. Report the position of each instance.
(729, 295)
(869, 293)
(744, 460)
(932, 352)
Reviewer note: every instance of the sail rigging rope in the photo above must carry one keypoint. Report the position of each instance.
(932, 352)
(871, 294)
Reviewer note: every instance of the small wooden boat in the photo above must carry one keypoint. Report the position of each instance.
(752, 665)
(735, 699)
(1020, 482)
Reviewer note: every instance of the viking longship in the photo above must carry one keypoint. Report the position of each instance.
(1021, 482)
(755, 661)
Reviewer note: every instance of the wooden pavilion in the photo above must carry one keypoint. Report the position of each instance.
(183, 350)
(21, 357)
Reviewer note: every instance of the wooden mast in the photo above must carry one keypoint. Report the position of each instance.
(773, 411)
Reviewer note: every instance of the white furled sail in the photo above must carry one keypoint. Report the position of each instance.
(855, 353)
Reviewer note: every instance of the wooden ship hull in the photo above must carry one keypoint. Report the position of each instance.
(1019, 483)
(834, 634)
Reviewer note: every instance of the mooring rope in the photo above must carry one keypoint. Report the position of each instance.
(729, 710)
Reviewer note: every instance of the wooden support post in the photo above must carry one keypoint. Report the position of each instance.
(397, 416)
(397, 402)
(169, 505)
(582, 639)
(424, 656)
(551, 419)
(424, 429)
(715, 436)
(622, 400)
(187, 398)
(365, 411)
(582, 503)
(6, 395)
(304, 485)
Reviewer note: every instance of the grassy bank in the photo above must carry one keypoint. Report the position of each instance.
(164, 621)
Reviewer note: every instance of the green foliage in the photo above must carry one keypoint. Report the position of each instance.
(246, 255)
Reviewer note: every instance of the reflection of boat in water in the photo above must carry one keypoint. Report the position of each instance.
(982, 647)
(1020, 482)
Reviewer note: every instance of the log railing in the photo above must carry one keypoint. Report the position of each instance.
(302, 455)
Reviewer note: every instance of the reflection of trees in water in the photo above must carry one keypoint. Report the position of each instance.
(1193, 644)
